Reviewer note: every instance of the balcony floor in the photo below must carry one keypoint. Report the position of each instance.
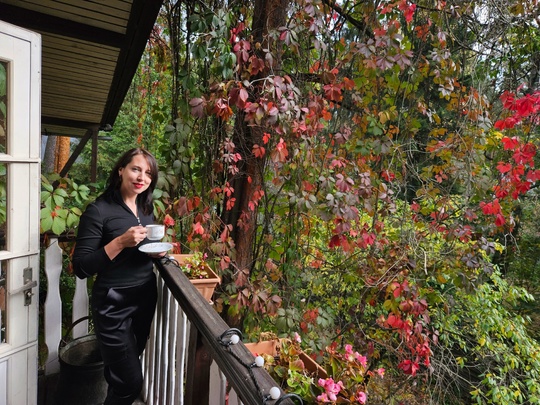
(47, 389)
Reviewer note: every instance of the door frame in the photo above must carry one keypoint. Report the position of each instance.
(21, 49)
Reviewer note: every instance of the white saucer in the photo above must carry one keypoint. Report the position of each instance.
(156, 247)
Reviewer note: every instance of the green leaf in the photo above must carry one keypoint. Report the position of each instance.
(58, 225)
(61, 192)
(58, 200)
(46, 223)
(48, 203)
(47, 187)
(45, 213)
(44, 195)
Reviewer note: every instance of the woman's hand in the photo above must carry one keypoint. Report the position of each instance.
(132, 237)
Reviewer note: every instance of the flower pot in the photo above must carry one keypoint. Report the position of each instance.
(272, 348)
(206, 286)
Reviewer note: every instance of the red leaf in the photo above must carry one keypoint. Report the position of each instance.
(280, 153)
(258, 151)
(510, 143)
(492, 208)
(257, 65)
(168, 221)
(230, 203)
(525, 106)
(198, 228)
(499, 221)
(224, 263)
(409, 367)
(504, 167)
(336, 241)
(333, 92)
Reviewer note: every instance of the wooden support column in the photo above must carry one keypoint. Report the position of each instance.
(198, 371)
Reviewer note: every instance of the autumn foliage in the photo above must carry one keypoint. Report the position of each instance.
(350, 180)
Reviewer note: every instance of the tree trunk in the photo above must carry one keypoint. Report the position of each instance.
(63, 144)
(268, 15)
(49, 155)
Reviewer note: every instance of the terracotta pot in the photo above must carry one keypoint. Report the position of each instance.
(272, 347)
(206, 286)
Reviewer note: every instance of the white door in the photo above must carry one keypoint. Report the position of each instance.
(20, 92)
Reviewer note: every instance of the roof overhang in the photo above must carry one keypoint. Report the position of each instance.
(90, 53)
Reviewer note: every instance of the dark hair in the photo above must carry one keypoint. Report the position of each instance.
(114, 182)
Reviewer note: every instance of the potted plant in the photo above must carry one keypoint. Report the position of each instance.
(199, 272)
(289, 365)
(349, 380)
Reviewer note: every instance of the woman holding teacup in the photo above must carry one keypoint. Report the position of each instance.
(124, 293)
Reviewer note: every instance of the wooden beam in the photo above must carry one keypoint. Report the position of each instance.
(61, 122)
(141, 20)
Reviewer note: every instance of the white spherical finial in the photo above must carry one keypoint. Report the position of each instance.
(259, 361)
(275, 393)
(235, 339)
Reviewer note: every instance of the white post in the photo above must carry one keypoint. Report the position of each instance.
(53, 305)
(80, 308)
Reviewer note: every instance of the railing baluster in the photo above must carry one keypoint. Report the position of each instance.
(218, 386)
(149, 368)
(181, 357)
(163, 358)
(80, 308)
(173, 319)
(53, 305)
(233, 398)
(158, 347)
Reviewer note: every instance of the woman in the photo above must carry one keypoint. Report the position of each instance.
(124, 293)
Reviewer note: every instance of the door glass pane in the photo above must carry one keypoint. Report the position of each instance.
(3, 275)
(3, 205)
(3, 105)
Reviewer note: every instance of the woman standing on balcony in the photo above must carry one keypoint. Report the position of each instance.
(124, 293)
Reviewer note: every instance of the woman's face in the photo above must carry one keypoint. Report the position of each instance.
(136, 177)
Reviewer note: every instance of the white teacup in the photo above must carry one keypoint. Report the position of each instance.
(155, 231)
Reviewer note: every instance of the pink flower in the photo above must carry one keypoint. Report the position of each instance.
(297, 337)
(361, 359)
(348, 349)
(323, 398)
(355, 356)
(331, 388)
(381, 371)
(361, 397)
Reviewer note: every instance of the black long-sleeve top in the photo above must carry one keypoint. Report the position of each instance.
(102, 221)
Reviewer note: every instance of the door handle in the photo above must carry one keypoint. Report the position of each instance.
(26, 288)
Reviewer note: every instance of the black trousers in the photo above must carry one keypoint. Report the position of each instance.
(122, 320)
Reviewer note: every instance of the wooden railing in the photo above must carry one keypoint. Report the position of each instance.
(189, 358)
